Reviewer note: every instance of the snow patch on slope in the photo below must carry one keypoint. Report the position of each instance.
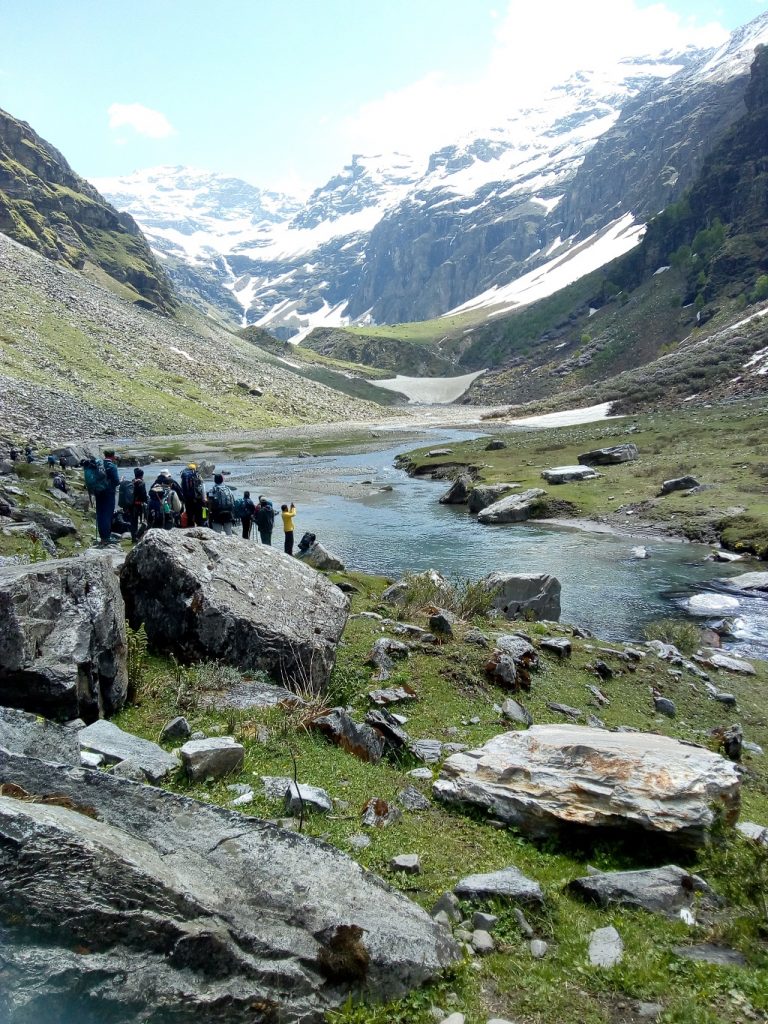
(613, 241)
(429, 390)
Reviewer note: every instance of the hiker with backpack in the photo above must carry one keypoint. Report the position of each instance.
(221, 505)
(265, 520)
(159, 513)
(176, 498)
(247, 513)
(288, 515)
(193, 495)
(102, 480)
(138, 506)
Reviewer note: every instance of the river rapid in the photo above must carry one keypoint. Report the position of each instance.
(340, 498)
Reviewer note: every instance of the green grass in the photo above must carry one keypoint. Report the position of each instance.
(452, 689)
(725, 446)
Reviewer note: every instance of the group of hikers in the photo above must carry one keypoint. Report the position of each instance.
(128, 505)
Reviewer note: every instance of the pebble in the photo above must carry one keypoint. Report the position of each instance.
(240, 801)
(522, 923)
(421, 773)
(538, 948)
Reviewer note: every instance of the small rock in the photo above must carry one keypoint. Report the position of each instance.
(476, 637)
(751, 830)
(447, 904)
(378, 813)
(665, 706)
(557, 645)
(605, 947)
(603, 670)
(212, 758)
(412, 800)
(455, 1018)
(311, 797)
(427, 750)
(482, 942)
(651, 1011)
(442, 622)
(522, 923)
(516, 712)
(275, 786)
(708, 953)
(241, 801)
(239, 788)
(484, 922)
(753, 748)
(538, 948)
(408, 863)
(89, 759)
(508, 883)
(564, 709)
(177, 729)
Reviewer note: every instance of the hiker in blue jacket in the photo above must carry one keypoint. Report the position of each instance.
(102, 480)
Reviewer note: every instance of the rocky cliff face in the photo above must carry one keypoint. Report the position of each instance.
(46, 206)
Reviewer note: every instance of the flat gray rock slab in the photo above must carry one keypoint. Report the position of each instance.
(248, 695)
(738, 665)
(659, 890)
(253, 913)
(212, 758)
(408, 863)
(509, 884)
(552, 778)
(708, 953)
(115, 745)
(276, 786)
(23, 733)
(568, 474)
(429, 751)
(753, 831)
(611, 456)
(205, 595)
(606, 948)
(747, 582)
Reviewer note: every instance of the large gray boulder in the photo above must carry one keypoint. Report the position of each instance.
(514, 509)
(22, 733)
(748, 582)
(205, 595)
(74, 454)
(188, 912)
(518, 595)
(609, 456)
(570, 777)
(680, 483)
(458, 492)
(62, 638)
(483, 495)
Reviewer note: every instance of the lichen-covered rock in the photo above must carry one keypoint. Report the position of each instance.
(148, 760)
(458, 492)
(570, 777)
(664, 890)
(230, 919)
(204, 595)
(62, 638)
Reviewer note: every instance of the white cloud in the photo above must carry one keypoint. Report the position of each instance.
(535, 46)
(143, 120)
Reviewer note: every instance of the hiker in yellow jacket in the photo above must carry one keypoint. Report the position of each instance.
(288, 514)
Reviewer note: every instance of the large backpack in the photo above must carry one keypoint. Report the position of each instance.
(125, 494)
(238, 509)
(95, 474)
(221, 498)
(192, 485)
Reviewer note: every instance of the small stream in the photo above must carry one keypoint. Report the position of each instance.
(339, 498)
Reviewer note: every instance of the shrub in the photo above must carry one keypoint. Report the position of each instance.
(684, 635)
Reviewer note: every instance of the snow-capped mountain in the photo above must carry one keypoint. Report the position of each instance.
(390, 239)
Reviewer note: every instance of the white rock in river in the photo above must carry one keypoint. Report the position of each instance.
(555, 777)
(710, 604)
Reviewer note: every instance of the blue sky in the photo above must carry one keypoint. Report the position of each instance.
(283, 92)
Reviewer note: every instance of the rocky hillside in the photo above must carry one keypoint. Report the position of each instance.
(682, 314)
(390, 240)
(78, 361)
(46, 206)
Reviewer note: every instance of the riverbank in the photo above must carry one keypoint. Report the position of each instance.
(723, 447)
